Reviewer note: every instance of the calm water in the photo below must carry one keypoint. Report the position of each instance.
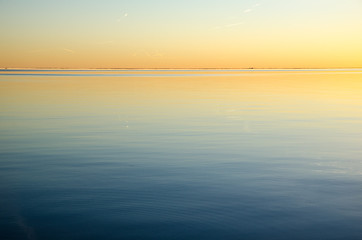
(177, 154)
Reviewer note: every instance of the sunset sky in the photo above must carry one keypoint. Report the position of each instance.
(180, 34)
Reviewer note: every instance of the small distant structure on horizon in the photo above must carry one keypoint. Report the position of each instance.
(251, 68)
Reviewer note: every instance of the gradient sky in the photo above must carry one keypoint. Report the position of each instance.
(181, 34)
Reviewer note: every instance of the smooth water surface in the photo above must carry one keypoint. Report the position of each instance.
(178, 154)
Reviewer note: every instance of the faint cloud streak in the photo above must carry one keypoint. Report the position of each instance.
(252, 8)
(234, 24)
(68, 50)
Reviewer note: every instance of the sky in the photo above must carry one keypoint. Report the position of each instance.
(180, 34)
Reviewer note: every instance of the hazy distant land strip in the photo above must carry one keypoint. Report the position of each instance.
(159, 72)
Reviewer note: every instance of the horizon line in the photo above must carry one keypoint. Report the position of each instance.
(179, 68)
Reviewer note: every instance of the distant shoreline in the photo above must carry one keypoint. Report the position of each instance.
(55, 68)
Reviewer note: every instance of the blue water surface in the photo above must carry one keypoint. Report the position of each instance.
(262, 155)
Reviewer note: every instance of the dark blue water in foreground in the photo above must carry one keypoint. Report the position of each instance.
(211, 155)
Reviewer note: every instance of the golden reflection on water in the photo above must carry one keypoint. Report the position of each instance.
(310, 92)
